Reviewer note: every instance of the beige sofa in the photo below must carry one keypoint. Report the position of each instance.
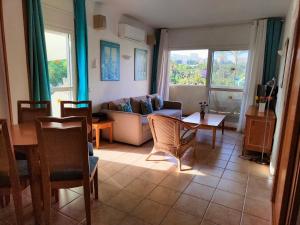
(133, 128)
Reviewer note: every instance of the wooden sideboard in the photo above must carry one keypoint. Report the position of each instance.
(256, 130)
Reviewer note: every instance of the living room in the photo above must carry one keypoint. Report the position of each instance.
(214, 81)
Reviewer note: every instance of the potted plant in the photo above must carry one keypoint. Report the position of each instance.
(203, 106)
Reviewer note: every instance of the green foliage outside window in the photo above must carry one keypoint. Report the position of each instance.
(57, 71)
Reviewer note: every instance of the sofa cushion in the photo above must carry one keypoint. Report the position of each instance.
(126, 107)
(135, 103)
(169, 112)
(146, 106)
(115, 105)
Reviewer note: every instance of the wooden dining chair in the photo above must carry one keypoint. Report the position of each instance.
(65, 162)
(171, 136)
(28, 111)
(13, 173)
(80, 108)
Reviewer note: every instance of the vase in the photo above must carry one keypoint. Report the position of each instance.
(202, 114)
(261, 107)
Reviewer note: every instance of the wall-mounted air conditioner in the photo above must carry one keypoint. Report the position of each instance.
(132, 33)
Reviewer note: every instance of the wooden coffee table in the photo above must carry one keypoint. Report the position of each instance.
(210, 121)
(97, 126)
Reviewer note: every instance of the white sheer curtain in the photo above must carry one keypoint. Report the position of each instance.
(255, 67)
(162, 66)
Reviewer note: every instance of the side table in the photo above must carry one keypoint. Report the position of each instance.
(97, 126)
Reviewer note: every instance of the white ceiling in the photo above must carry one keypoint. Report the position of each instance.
(189, 13)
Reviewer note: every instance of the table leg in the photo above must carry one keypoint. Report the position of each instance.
(35, 184)
(97, 138)
(223, 124)
(110, 134)
(214, 137)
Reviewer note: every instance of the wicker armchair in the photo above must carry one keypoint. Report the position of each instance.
(171, 136)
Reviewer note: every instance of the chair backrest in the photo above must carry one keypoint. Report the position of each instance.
(78, 108)
(62, 144)
(165, 130)
(8, 167)
(28, 111)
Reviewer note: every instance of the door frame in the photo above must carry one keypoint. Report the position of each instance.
(286, 190)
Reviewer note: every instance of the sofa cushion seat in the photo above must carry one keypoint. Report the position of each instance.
(169, 112)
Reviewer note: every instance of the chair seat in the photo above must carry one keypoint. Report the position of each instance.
(73, 174)
(91, 149)
(22, 166)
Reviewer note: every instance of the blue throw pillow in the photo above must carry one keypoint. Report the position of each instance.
(158, 102)
(126, 107)
(146, 106)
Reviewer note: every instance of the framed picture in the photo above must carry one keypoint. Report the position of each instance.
(109, 61)
(140, 64)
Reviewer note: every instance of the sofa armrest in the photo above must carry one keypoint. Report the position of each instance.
(172, 105)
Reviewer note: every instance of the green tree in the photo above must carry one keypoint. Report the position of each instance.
(57, 71)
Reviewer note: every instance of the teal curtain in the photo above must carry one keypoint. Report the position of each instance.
(81, 43)
(153, 88)
(37, 55)
(274, 28)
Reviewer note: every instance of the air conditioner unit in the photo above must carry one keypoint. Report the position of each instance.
(131, 33)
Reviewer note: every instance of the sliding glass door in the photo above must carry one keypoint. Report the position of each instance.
(227, 80)
(60, 68)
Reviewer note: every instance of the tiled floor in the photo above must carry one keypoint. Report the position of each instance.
(220, 188)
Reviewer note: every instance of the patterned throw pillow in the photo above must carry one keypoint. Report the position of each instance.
(146, 106)
(158, 102)
(125, 107)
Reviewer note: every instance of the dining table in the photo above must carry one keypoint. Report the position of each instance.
(24, 138)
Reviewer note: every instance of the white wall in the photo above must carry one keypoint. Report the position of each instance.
(101, 91)
(16, 53)
(215, 37)
(282, 92)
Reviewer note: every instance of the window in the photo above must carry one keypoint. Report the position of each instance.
(60, 68)
(227, 83)
(188, 67)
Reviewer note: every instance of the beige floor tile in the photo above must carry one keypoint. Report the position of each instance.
(228, 199)
(211, 170)
(153, 176)
(222, 215)
(105, 215)
(200, 191)
(65, 197)
(76, 209)
(131, 220)
(164, 195)
(176, 217)
(191, 205)
(260, 189)
(208, 180)
(107, 191)
(120, 180)
(140, 187)
(151, 212)
(59, 219)
(252, 220)
(217, 163)
(232, 186)
(235, 176)
(125, 201)
(207, 222)
(177, 182)
(28, 217)
(134, 171)
(238, 167)
(258, 208)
